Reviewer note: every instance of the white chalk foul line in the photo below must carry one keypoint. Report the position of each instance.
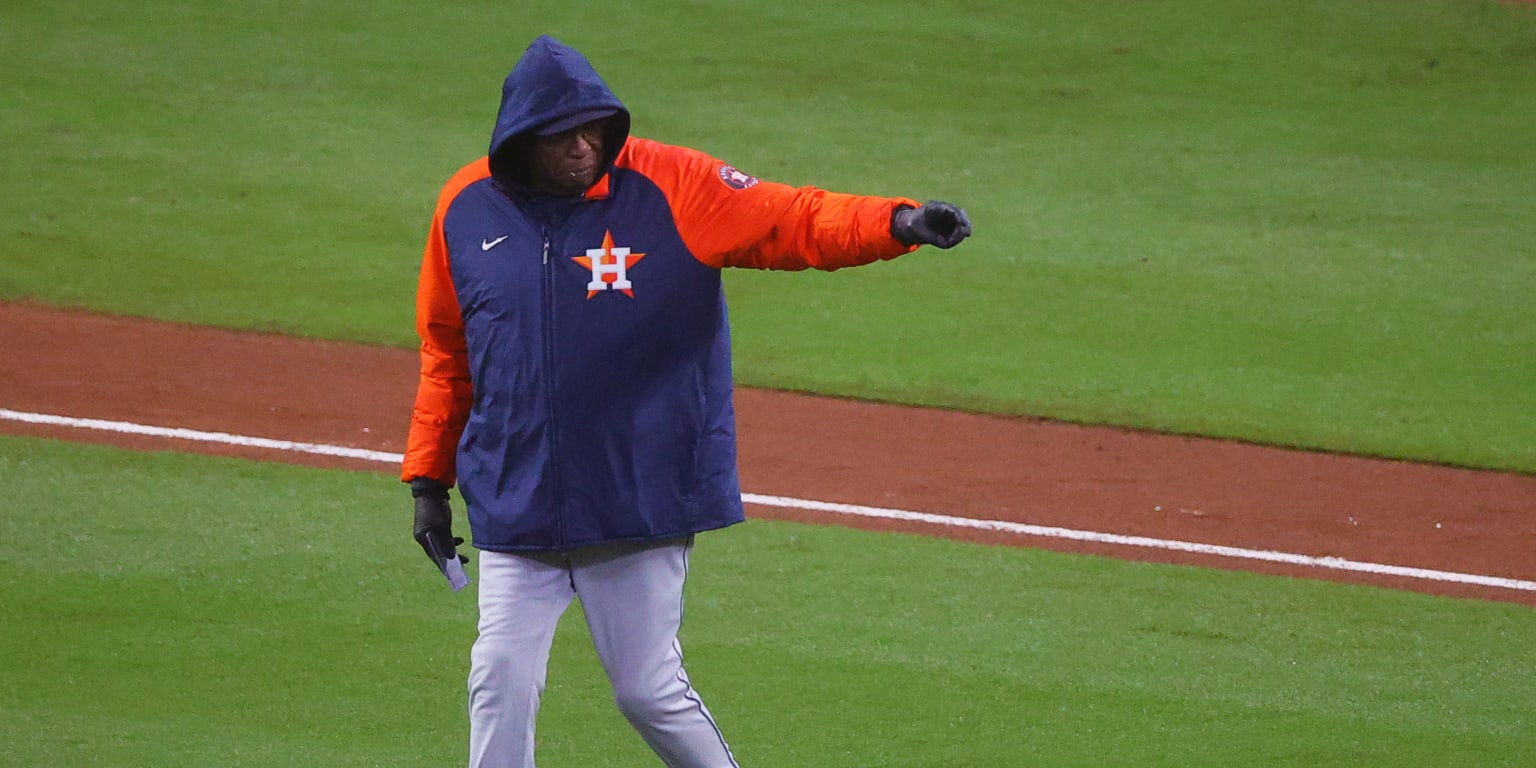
(127, 428)
(1022, 529)
(999, 526)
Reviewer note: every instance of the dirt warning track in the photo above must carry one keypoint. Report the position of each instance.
(830, 461)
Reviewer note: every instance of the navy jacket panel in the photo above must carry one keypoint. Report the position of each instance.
(600, 358)
(506, 438)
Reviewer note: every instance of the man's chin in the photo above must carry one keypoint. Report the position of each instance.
(567, 184)
(577, 182)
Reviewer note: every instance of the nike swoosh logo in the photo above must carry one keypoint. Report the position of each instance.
(486, 245)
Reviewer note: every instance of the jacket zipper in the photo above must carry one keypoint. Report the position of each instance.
(558, 502)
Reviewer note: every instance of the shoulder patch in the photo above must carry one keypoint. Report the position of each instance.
(736, 179)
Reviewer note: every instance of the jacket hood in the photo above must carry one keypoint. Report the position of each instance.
(551, 85)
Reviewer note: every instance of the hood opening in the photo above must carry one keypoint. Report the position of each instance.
(509, 161)
(553, 87)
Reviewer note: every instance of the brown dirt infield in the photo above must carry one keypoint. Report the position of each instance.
(964, 465)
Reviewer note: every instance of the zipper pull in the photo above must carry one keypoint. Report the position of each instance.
(546, 247)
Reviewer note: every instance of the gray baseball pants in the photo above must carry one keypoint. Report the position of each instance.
(632, 595)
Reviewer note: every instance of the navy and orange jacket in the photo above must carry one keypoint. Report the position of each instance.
(575, 354)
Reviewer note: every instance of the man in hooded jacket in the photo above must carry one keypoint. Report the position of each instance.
(575, 385)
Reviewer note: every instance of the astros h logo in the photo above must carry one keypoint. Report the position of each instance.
(610, 267)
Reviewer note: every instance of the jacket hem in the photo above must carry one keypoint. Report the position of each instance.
(515, 548)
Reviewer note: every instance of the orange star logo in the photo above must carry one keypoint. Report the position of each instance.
(610, 267)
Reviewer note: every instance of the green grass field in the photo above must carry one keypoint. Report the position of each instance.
(171, 610)
(1292, 222)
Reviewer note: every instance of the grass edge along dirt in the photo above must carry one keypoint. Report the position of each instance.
(168, 609)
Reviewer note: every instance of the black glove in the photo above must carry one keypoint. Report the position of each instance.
(937, 223)
(434, 522)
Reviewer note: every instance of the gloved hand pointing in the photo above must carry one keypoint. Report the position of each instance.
(434, 522)
(936, 223)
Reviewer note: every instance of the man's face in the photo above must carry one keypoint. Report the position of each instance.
(569, 162)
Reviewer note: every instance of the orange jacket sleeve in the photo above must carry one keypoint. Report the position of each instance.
(443, 394)
(729, 219)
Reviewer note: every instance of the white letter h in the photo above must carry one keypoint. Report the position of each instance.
(609, 263)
